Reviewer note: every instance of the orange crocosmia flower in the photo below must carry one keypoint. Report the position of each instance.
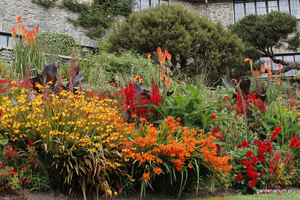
(262, 69)
(163, 78)
(159, 160)
(168, 82)
(268, 64)
(269, 71)
(142, 119)
(146, 176)
(23, 29)
(33, 34)
(248, 59)
(278, 81)
(37, 29)
(18, 19)
(159, 51)
(157, 170)
(279, 66)
(13, 31)
(190, 166)
(162, 59)
(169, 56)
(137, 79)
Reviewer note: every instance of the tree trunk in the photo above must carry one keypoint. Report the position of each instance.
(288, 65)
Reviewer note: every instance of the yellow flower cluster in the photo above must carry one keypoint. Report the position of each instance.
(63, 122)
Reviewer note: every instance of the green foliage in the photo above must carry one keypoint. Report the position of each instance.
(98, 17)
(103, 68)
(57, 43)
(195, 107)
(280, 116)
(196, 43)
(27, 56)
(46, 3)
(265, 32)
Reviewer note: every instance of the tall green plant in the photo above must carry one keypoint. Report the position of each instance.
(27, 52)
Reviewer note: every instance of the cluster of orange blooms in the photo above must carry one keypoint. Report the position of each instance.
(263, 70)
(27, 35)
(162, 59)
(174, 144)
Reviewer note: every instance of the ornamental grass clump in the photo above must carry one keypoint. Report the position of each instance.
(26, 51)
(81, 137)
(172, 157)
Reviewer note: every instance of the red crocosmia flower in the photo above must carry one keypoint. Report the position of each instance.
(254, 160)
(279, 67)
(262, 69)
(262, 159)
(239, 177)
(214, 116)
(13, 31)
(18, 19)
(37, 29)
(245, 144)
(252, 183)
(249, 153)
(30, 143)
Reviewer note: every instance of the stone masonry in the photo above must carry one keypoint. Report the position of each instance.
(52, 19)
(217, 10)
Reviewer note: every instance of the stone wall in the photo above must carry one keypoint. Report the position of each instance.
(52, 19)
(216, 10)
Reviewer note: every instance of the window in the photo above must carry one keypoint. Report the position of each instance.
(284, 6)
(295, 5)
(261, 7)
(144, 4)
(250, 7)
(239, 10)
(3, 41)
(272, 6)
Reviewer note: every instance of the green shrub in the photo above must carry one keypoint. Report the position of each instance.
(57, 43)
(98, 17)
(195, 42)
(103, 68)
(46, 3)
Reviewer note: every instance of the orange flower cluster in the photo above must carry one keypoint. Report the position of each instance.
(27, 35)
(172, 144)
(163, 70)
(209, 152)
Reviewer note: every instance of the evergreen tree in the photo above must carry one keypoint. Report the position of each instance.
(196, 43)
(270, 31)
